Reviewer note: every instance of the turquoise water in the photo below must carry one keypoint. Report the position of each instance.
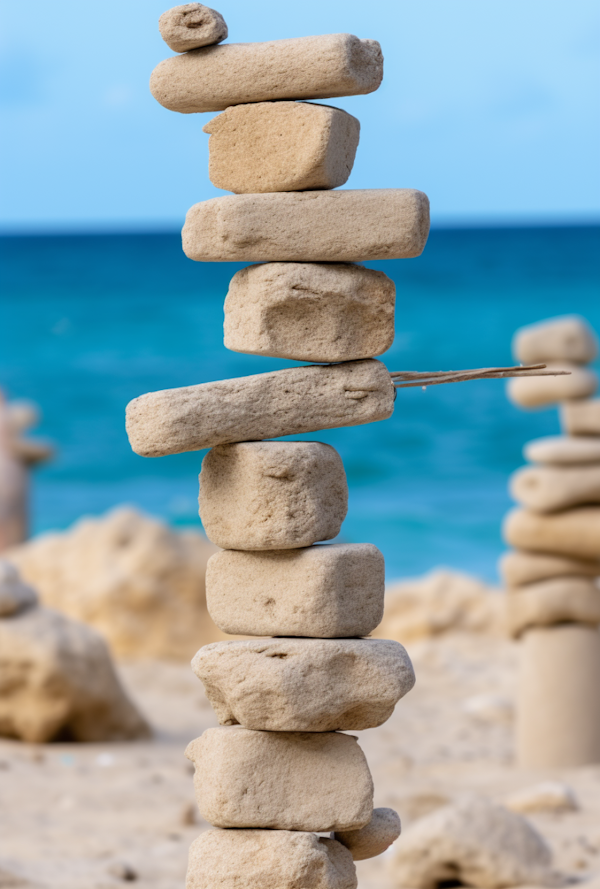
(89, 322)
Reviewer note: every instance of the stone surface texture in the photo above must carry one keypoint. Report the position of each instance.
(272, 495)
(316, 781)
(15, 596)
(581, 417)
(520, 567)
(539, 392)
(191, 26)
(565, 450)
(551, 488)
(310, 311)
(281, 146)
(285, 402)
(554, 601)
(374, 838)
(311, 226)
(574, 533)
(569, 338)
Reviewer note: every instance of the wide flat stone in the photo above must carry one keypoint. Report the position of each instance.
(581, 417)
(534, 392)
(565, 450)
(190, 26)
(569, 338)
(519, 568)
(551, 488)
(574, 533)
(556, 601)
(374, 838)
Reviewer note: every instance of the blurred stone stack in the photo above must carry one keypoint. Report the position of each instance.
(553, 577)
(279, 770)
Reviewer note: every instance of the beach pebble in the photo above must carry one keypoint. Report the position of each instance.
(519, 568)
(544, 391)
(310, 311)
(569, 338)
(281, 146)
(581, 417)
(190, 26)
(324, 591)
(312, 226)
(554, 601)
(215, 77)
(15, 596)
(550, 488)
(268, 859)
(565, 450)
(284, 402)
(315, 781)
(549, 796)
(374, 838)
(574, 533)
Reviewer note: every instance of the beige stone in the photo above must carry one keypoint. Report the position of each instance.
(191, 26)
(311, 226)
(324, 591)
(549, 796)
(374, 838)
(281, 146)
(554, 601)
(520, 568)
(315, 781)
(581, 417)
(564, 450)
(268, 859)
(558, 710)
(538, 392)
(574, 533)
(215, 77)
(550, 488)
(310, 311)
(305, 685)
(285, 402)
(15, 595)
(569, 338)
(272, 495)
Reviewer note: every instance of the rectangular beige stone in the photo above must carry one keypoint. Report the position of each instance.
(574, 533)
(310, 226)
(326, 591)
(317, 781)
(543, 391)
(519, 568)
(281, 146)
(565, 450)
(190, 26)
(310, 311)
(215, 77)
(556, 601)
(550, 488)
(569, 339)
(285, 402)
(272, 495)
(581, 417)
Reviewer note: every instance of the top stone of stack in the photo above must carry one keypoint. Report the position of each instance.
(191, 26)
(569, 339)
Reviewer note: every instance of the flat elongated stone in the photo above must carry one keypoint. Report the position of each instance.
(581, 417)
(281, 146)
(310, 226)
(532, 392)
(268, 859)
(569, 338)
(324, 591)
(215, 77)
(555, 601)
(310, 311)
(574, 533)
(550, 488)
(190, 26)
(285, 402)
(305, 685)
(519, 568)
(315, 781)
(565, 450)
(374, 838)
(272, 495)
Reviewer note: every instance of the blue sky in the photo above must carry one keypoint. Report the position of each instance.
(492, 108)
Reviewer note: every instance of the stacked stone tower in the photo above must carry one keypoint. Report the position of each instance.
(553, 577)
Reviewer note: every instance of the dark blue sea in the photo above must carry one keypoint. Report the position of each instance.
(89, 322)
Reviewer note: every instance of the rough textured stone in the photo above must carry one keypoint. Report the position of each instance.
(581, 417)
(374, 838)
(215, 77)
(554, 601)
(15, 595)
(191, 26)
(326, 591)
(281, 146)
(310, 311)
(574, 533)
(564, 450)
(548, 488)
(520, 568)
(569, 338)
(268, 859)
(533, 392)
(272, 495)
(316, 781)
(305, 685)
(549, 796)
(312, 226)
(285, 402)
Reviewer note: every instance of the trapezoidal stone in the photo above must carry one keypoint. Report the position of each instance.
(272, 495)
(310, 311)
(190, 26)
(214, 77)
(538, 392)
(568, 339)
(519, 568)
(315, 781)
(374, 838)
(565, 450)
(554, 601)
(551, 488)
(326, 591)
(281, 146)
(284, 402)
(574, 533)
(581, 417)
(310, 226)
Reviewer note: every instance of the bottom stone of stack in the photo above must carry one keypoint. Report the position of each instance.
(554, 601)
(268, 859)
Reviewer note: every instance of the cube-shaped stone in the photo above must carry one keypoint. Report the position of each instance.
(190, 26)
(581, 417)
(550, 488)
(565, 450)
(519, 568)
(556, 601)
(543, 391)
(574, 533)
(568, 339)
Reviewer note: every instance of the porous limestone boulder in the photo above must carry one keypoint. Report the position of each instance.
(574, 533)
(191, 26)
(569, 338)
(581, 417)
(565, 450)
(519, 567)
(281, 146)
(15, 596)
(555, 601)
(310, 311)
(268, 495)
(374, 838)
(552, 488)
(317, 781)
(544, 391)
(549, 796)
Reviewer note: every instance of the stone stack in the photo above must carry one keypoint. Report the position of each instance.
(553, 576)
(279, 770)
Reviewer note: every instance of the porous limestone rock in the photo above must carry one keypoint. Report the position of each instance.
(312, 226)
(215, 77)
(554, 601)
(520, 567)
(15, 595)
(284, 402)
(574, 533)
(315, 781)
(305, 685)
(549, 796)
(268, 859)
(565, 450)
(374, 838)
(325, 591)
(473, 842)
(551, 488)
(581, 417)
(310, 311)
(543, 391)
(268, 495)
(569, 338)
(281, 146)
(190, 26)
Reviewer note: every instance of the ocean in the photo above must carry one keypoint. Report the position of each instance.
(88, 322)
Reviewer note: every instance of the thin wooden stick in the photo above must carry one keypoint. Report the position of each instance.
(406, 379)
